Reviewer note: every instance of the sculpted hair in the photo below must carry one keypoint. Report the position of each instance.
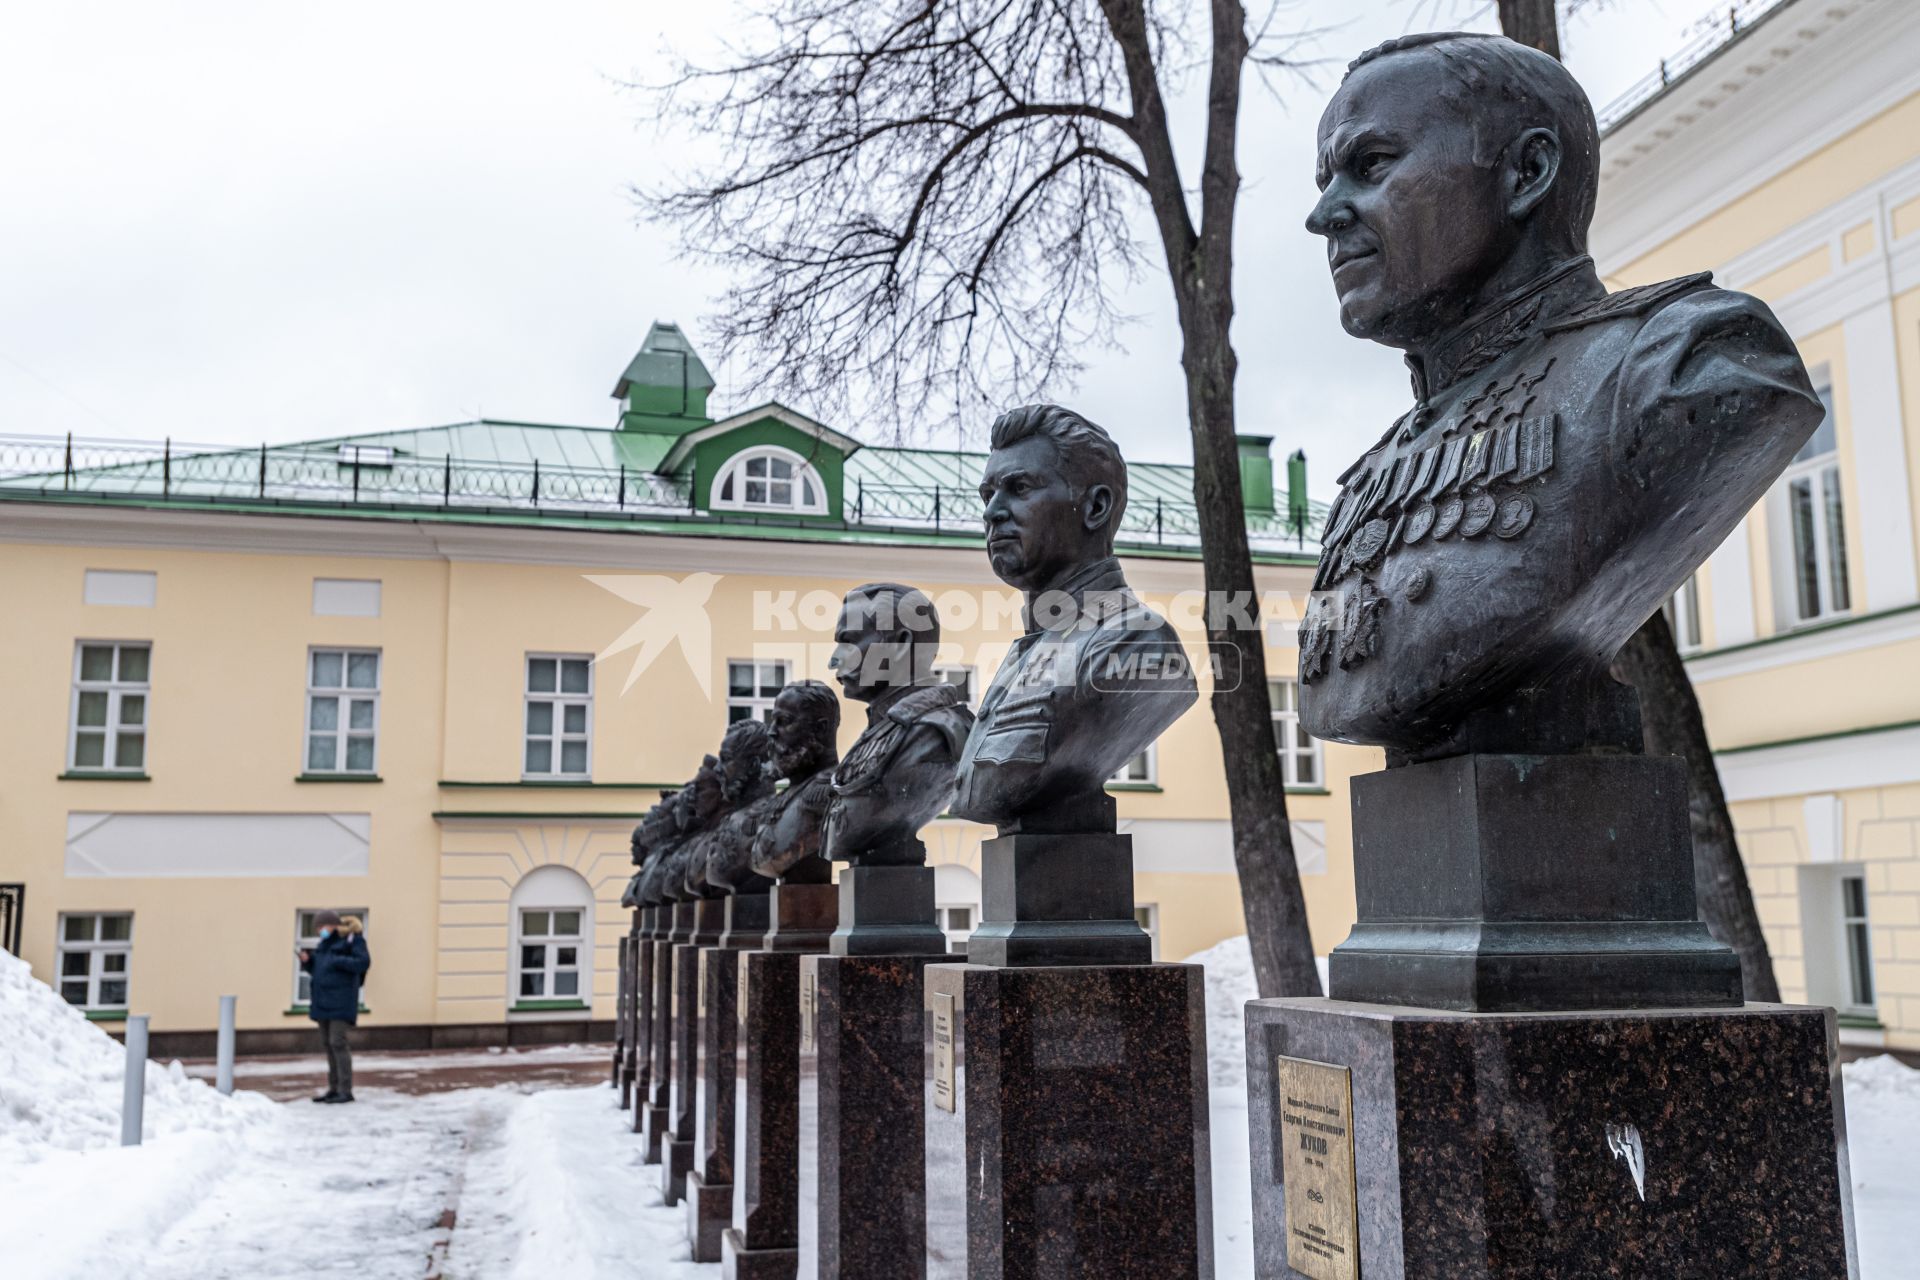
(1087, 453)
(1490, 72)
(748, 743)
(891, 605)
(818, 703)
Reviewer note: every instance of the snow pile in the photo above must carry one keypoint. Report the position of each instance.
(1230, 985)
(1882, 1079)
(61, 1080)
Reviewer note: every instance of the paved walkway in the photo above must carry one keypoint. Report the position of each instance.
(436, 1071)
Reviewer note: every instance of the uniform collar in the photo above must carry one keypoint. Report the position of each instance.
(878, 708)
(1101, 579)
(1502, 325)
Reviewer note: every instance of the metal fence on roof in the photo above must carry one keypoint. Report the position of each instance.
(1718, 32)
(381, 476)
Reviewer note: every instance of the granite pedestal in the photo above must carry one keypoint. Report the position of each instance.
(763, 1242)
(685, 1028)
(869, 1114)
(622, 976)
(655, 1120)
(1637, 1143)
(1067, 1126)
(640, 1042)
(710, 1184)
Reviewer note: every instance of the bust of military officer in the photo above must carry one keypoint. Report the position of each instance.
(900, 773)
(1098, 675)
(700, 809)
(1571, 454)
(804, 725)
(746, 794)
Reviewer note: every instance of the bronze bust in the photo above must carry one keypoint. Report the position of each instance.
(721, 863)
(900, 774)
(1098, 675)
(1571, 455)
(805, 720)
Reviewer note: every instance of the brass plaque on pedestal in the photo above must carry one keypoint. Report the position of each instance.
(740, 995)
(1314, 1104)
(943, 1051)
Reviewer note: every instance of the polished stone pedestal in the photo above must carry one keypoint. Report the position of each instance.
(887, 911)
(1506, 882)
(685, 1027)
(654, 1119)
(1078, 1141)
(764, 1241)
(710, 1184)
(1058, 899)
(623, 975)
(869, 1114)
(639, 1067)
(1630, 1143)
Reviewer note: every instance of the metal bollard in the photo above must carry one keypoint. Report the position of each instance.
(223, 1053)
(134, 1098)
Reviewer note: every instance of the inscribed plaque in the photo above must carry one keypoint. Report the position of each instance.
(1315, 1106)
(943, 1075)
(740, 996)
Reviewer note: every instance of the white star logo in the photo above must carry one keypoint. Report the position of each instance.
(675, 610)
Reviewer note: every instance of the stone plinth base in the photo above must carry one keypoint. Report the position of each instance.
(684, 1027)
(1078, 1142)
(887, 911)
(1612, 1143)
(765, 1236)
(737, 1262)
(870, 1114)
(1058, 899)
(709, 1212)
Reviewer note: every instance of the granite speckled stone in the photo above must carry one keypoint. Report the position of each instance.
(710, 1184)
(1080, 1142)
(655, 1119)
(1481, 1142)
(870, 1115)
(685, 1031)
(640, 1018)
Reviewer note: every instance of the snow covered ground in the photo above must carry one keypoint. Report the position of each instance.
(506, 1183)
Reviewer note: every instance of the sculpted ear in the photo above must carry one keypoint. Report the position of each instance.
(1533, 166)
(1096, 505)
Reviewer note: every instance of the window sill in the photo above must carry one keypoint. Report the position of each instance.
(548, 1006)
(105, 1015)
(1859, 1021)
(1135, 786)
(336, 777)
(1308, 791)
(301, 1011)
(104, 775)
(569, 783)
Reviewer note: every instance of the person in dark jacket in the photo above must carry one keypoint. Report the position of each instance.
(338, 965)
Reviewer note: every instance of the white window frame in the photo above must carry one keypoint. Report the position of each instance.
(115, 726)
(957, 935)
(97, 950)
(343, 695)
(965, 675)
(737, 474)
(552, 944)
(1147, 915)
(1286, 712)
(310, 941)
(757, 705)
(1849, 987)
(1683, 615)
(1826, 498)
(1143, 770)
(558, 735)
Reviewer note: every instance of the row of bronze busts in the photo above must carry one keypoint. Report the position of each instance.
(731, 828)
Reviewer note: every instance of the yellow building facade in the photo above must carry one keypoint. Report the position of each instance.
(1787, 161)
(248, 687)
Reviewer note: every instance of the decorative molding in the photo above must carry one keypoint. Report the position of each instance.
(196, 845)
(1851, 762)
(1791, 648)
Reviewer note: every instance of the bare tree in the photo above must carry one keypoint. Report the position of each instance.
(937, 202)
(1670, 711)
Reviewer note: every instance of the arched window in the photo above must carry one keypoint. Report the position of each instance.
(552, 925)
(769, 479)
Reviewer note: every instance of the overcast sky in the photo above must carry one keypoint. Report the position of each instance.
(255, 222)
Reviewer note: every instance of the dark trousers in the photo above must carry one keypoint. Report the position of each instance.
(339, 1056)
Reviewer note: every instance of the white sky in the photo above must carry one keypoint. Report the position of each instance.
(245, 222)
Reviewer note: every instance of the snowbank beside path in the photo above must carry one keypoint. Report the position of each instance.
(1230, 985)
(61, 1080)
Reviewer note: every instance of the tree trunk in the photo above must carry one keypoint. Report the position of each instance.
(1531, 22)
(1670, 714)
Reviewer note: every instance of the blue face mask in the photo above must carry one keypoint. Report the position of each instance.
(327, 932)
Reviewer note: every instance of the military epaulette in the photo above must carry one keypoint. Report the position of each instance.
(921, 703)
(1629, 302)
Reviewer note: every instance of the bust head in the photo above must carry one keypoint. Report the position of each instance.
(805, 720)
(1452, 167)
(704, 796)
(886, 638)
(743, 762)
(1054, 490)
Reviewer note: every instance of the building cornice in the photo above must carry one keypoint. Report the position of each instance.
(1830, 640)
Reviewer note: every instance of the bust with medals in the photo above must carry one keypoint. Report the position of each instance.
(787, 845)
(1571, 454)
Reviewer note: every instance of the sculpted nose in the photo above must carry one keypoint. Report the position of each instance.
(1333, 214)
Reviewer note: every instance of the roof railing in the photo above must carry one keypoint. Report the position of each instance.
(1715, 36)
(334, 474)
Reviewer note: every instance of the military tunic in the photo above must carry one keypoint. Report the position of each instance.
(898, 776)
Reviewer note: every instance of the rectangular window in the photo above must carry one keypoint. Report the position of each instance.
(1816, 520)
(1856, 943)
(306, 936)
(550, 944)
(1683, 615)
(1299, 751)
(559, 716)
(961, 678)
(95, 951)
(110, 692)
(752, 686)
(343, 710)
(1143, 768)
